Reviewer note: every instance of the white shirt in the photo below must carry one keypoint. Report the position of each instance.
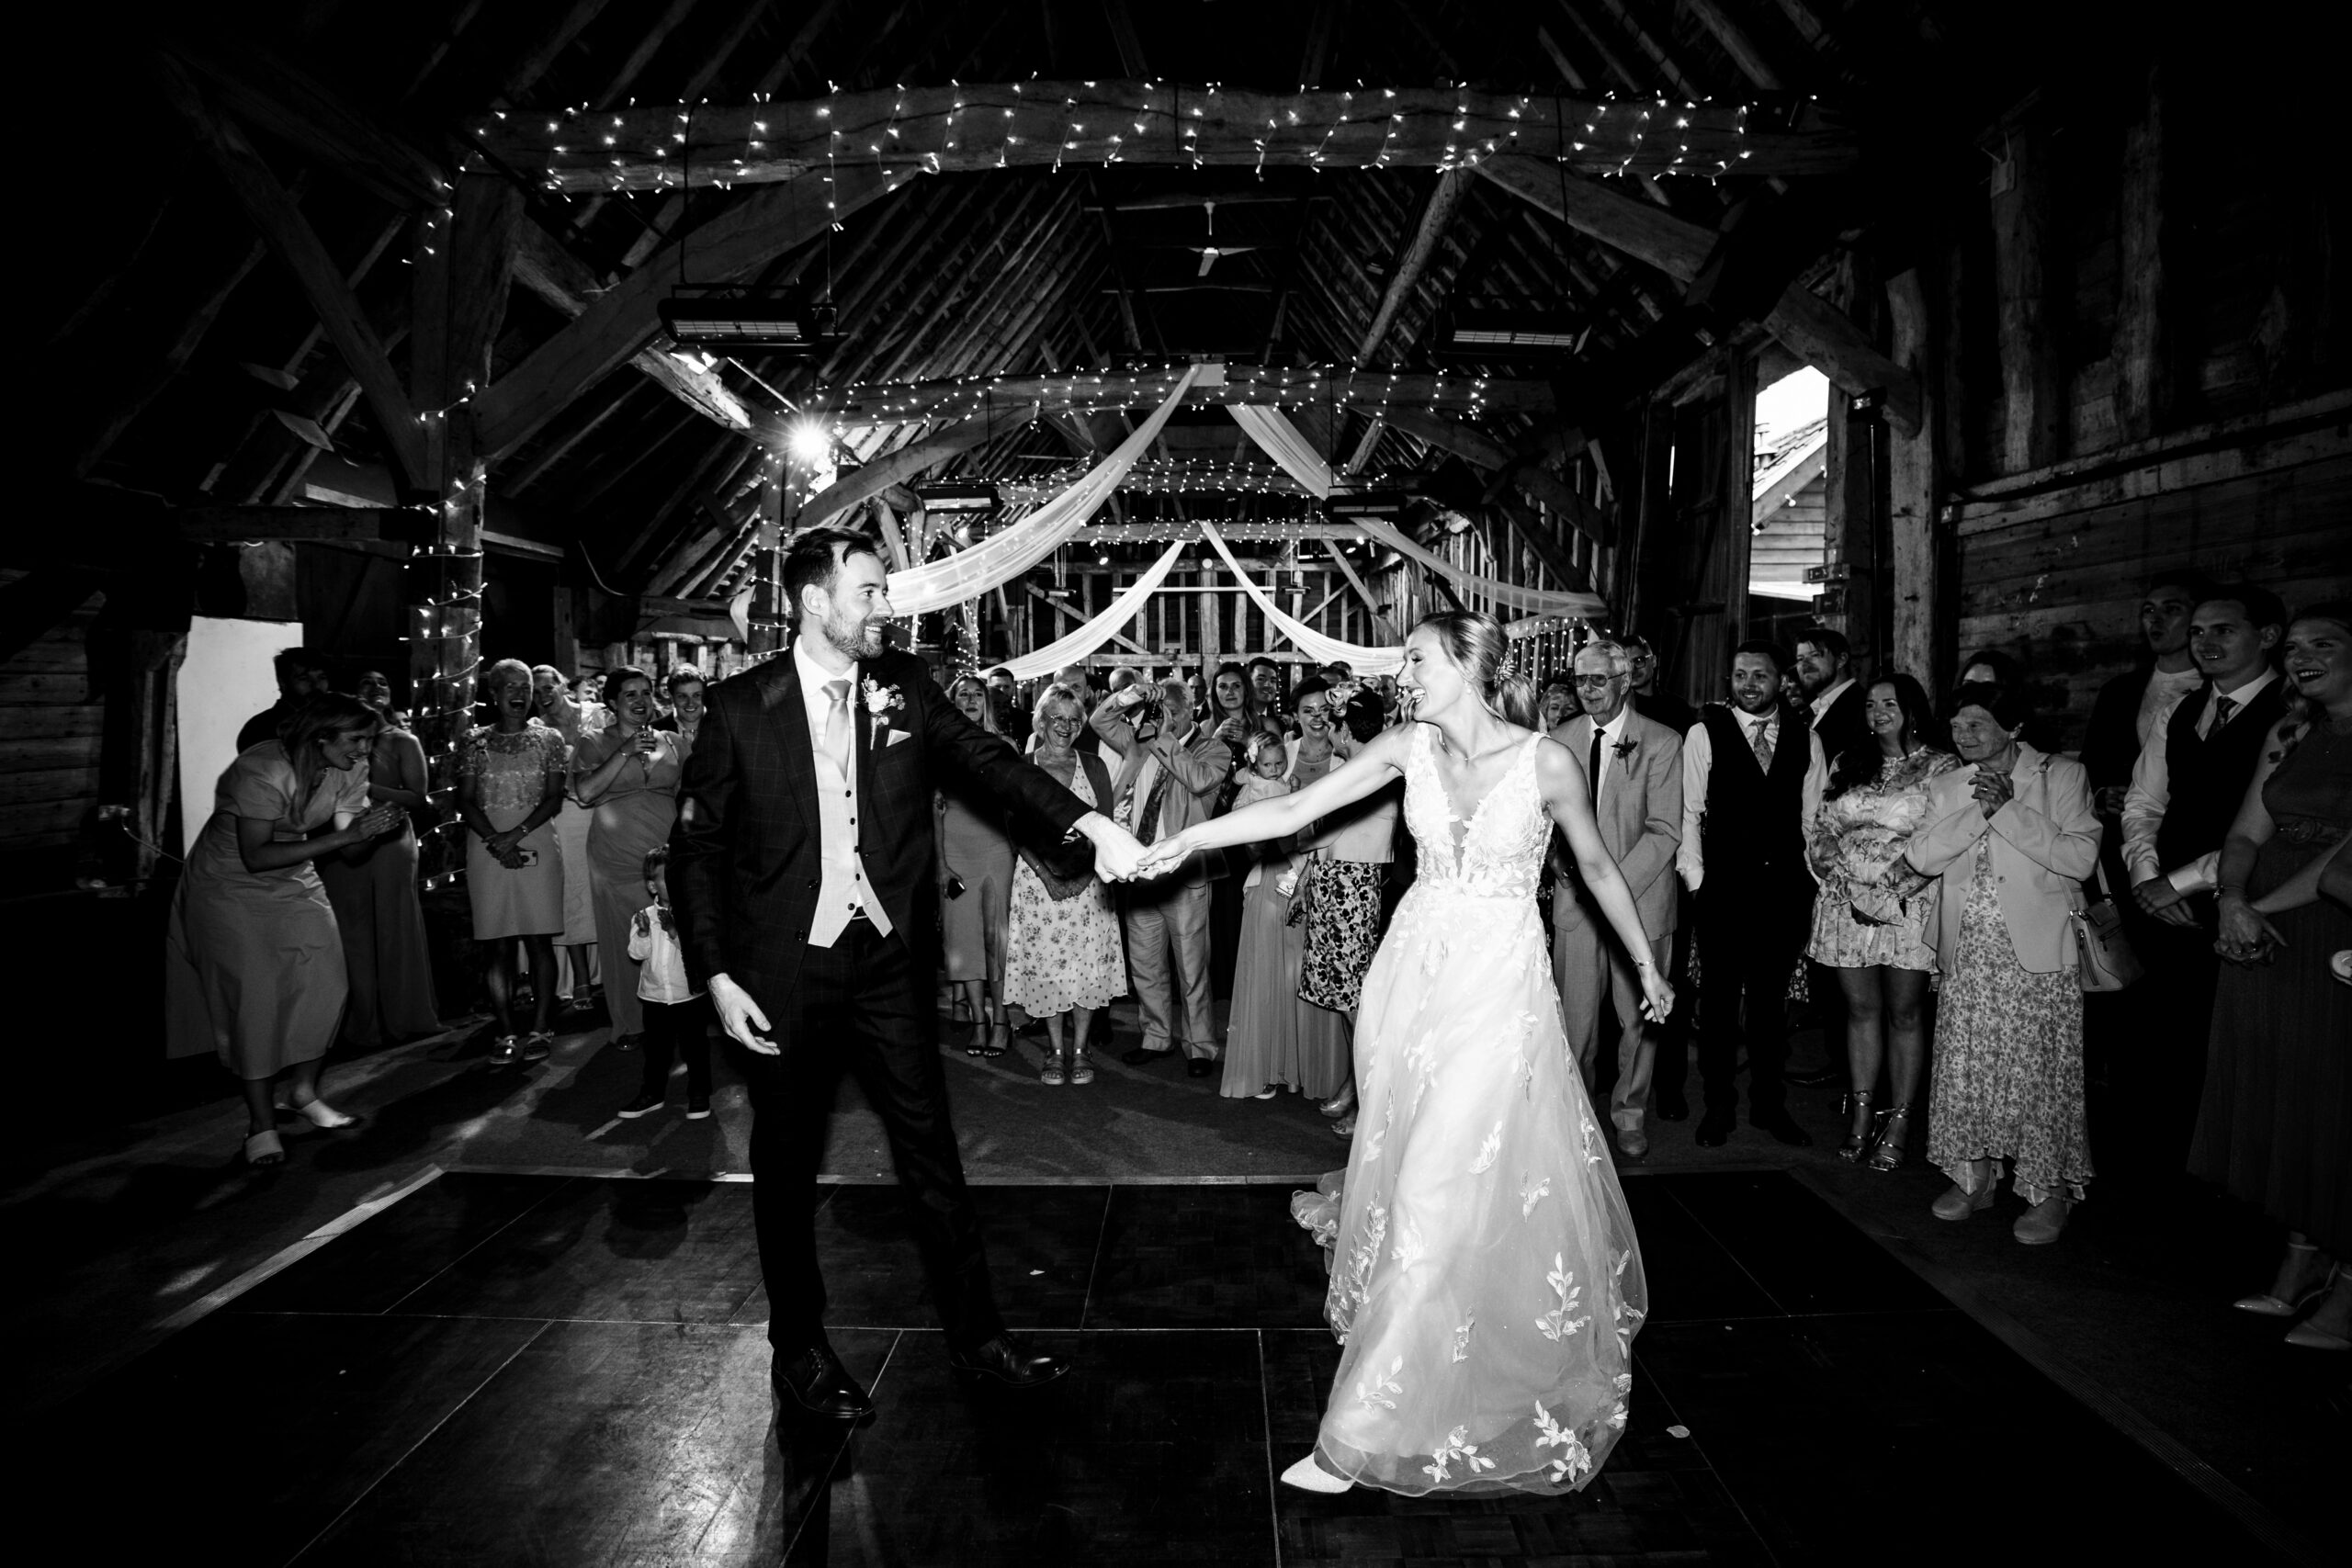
(843, 892)
(1819, 707)
(1698, 763)
(2164, 690)
(2151, 792)
(1611, 734)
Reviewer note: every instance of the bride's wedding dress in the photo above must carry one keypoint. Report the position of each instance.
(1485, 1278)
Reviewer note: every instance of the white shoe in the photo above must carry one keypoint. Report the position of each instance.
(1309, 1476)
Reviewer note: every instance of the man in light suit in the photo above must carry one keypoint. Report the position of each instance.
(1172, 770)
(1633, 768)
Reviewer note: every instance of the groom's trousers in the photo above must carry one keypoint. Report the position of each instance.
(859, 1009)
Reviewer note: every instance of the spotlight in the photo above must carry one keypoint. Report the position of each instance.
(810, 442)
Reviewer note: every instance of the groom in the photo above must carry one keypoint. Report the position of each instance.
(800, 871)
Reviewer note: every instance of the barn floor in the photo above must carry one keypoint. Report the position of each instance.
(496, 1325)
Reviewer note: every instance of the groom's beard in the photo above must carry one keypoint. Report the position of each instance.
(858, 639)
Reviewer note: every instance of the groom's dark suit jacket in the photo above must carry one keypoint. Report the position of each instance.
(745, 857)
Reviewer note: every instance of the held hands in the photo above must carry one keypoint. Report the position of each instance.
(2159, 897)
(741, 1017)
(1165, 856)
(1657, 997)
(2247, 937)
(1115, 849)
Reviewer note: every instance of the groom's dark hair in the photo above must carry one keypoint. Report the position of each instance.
(814, 559)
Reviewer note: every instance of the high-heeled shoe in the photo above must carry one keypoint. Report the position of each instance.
(1857, 1144)
(1957, 1204)
(1887, 1149)
(2268, 1305)
(1340, 1104)
(1309, 1476)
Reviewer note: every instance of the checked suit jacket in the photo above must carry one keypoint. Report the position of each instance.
(746, 853)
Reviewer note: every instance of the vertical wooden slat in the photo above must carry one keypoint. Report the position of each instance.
(2035, 416)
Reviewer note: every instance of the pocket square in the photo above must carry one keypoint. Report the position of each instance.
(895, 736)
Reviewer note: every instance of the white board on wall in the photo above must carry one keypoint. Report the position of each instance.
(225, 680)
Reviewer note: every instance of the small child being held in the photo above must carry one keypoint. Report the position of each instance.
(676, 1015)
(1266, 759)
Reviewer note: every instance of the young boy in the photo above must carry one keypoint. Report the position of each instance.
(676, 1015)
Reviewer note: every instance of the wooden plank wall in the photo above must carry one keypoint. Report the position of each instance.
(51, 720)
(2054, 575)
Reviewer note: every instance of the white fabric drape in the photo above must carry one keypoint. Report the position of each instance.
(1115, 619)
(1000, 558)
(1295, 456)
(1323, 649)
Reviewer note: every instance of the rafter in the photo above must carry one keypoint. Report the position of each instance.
(1437, 216)
(1468, 395)
(990, 126)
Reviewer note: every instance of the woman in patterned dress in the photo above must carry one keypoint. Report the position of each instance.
(1486, 1278)
(2012, 833)
(510, 786)
(1869, 918)
(629, 776)
(1346, 858)
(1063, 952)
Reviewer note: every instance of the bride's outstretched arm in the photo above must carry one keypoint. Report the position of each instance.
(1563, 785)
(1381, 759)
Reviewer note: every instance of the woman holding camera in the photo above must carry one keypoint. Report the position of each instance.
(510, 786)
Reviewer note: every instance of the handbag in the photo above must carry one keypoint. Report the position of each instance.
(2103, 957)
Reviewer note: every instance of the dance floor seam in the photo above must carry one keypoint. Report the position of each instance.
(504, 1368)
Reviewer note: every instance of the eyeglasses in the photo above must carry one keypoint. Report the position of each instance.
(1594, 682)
(1061, 721)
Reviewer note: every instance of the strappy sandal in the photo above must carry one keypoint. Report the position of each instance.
(1857, 1145)
(1081, 1071)
(1051, 1073)
(539, 1045)
(506, 1052)
(1888, 1151)
(263, 1150)
(990, 1041)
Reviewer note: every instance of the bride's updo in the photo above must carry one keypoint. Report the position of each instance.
(1503, 679)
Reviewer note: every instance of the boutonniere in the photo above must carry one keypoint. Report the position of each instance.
(1624, 748)
(880, 699)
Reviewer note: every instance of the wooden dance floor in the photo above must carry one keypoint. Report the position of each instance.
(512, 1369)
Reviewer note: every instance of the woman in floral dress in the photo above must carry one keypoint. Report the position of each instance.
(1484, 1278)
(1869, 918)
(627, 774)
(2013, 833)
(1062, 946)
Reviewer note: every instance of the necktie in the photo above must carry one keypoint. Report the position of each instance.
(1763, 745)
(837, 729)
(1593, 768)
(2222, 708)
(1148, 825)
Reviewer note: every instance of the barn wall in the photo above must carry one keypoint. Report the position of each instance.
(2053, 571)
(51, 720)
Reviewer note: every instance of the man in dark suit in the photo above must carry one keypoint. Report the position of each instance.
(801, 874)
(1834, 699)
(301, 675)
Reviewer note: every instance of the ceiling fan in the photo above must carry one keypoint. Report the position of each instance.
(1211, 252)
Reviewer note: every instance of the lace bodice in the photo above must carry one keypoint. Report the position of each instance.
(1502, 850)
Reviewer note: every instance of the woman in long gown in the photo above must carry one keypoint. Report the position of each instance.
(628, 775)
(975, 867)
(2275, 1128)
(374, 893)
(1485, 1281)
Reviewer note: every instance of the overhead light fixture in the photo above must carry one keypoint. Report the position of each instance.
(746, 318)
(810, 442)
(958, 498)
(1477, 333)
(1368, 503)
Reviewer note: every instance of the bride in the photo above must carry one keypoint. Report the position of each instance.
(1485, 1278)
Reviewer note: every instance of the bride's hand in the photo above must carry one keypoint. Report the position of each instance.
(1657, 997)
(1164, 856)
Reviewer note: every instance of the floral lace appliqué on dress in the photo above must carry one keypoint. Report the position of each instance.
(1476, 1248)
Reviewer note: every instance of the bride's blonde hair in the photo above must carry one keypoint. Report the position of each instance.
(1479, 649)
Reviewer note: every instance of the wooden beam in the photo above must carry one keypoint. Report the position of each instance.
(291, 525)
(892, 468)
(1808, 325)
(2143, 377)
(273, 94)
(625, 317)
(2034, 419)
(1075, 619)
(1323, 24)
(1915, 492)
(1125, 38)
(464, 262)
(1477, 447)
(929, 129)
(1379, 617)
(1437, 216)
(1737, 43)
(526, 72)
(281, 224)
(1370, 390)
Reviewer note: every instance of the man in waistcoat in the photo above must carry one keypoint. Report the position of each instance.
(1752, 777)
(2186, 789)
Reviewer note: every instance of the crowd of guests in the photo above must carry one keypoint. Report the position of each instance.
(1924, 873)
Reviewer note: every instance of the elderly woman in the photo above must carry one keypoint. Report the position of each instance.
(1869, 918)
(2275, 1128)
(254, 962)
(975, 868)
(2012, 833)
(629, 776)
(1064, 952)
(373, 890)
(510, 786)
